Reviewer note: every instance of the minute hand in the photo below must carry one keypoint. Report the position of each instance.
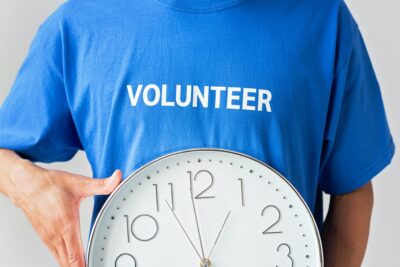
(197, 220)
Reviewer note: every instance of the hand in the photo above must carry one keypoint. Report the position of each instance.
(219, 233)
(50, 200)
(197, 221)
(183, 229)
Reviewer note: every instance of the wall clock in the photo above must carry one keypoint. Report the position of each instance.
(206, 207)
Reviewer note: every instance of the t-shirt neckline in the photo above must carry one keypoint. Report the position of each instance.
(199, 6)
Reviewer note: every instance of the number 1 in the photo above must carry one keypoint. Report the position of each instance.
(172, 195)
(241, 191)
(157, 200)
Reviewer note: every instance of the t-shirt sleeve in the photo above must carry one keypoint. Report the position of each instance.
(357, 140)
(35, 119)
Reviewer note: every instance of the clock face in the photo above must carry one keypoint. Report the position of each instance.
(205, 207)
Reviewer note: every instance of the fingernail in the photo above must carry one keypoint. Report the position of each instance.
(116, 173)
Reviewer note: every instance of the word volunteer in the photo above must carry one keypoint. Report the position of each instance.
(236, 97)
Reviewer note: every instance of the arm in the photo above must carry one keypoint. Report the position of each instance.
(50, 200)
(346, 229)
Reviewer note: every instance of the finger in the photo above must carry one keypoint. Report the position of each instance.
(99, 186)
(59, 252)
(63, 255)
(55, 246)
(73, 245)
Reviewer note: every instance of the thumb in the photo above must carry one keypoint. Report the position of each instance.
(101, 186)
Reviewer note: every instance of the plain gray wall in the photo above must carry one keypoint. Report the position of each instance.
(380, 24)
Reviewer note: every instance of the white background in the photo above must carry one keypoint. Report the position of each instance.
(380, 24)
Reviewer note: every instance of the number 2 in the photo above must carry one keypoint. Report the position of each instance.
(267, 231)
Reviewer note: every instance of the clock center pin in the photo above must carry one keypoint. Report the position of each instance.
(205, 263)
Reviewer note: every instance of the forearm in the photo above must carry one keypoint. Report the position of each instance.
(50, 200)
(10, 162)
(346, 228)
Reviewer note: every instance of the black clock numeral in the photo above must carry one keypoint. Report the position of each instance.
(124, 255)
(241, 190)
(171, 185)
(201, 194)
(127, 228)
(157, 196)
(288, 252)
(131, 226)
(143, 238)
(268, 230)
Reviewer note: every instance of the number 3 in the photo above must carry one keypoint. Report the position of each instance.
(288, 254)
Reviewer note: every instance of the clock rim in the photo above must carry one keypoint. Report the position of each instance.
(218, 149)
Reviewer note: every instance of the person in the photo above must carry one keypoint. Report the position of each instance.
(287, 82)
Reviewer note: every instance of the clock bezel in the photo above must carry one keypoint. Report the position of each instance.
(186, 150)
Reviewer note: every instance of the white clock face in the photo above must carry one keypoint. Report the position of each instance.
(205, 207)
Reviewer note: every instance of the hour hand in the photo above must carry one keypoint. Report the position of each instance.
(183, 229)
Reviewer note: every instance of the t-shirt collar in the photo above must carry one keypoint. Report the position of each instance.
(199, 6)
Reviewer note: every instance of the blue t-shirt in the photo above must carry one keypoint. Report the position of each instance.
(287, 82)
